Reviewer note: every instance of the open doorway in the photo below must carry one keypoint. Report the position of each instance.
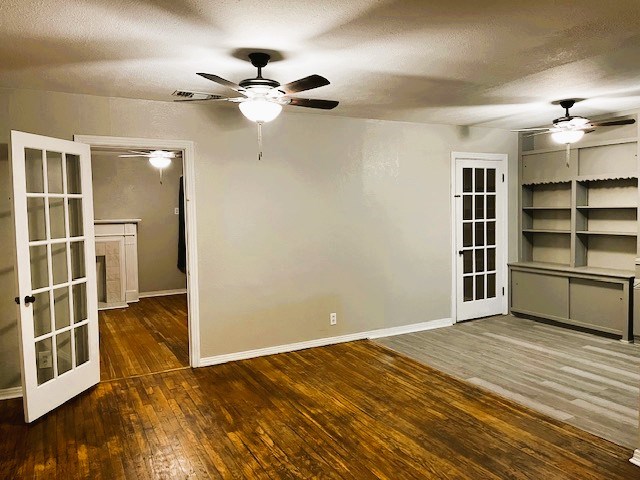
(138, 201)
(145, 258)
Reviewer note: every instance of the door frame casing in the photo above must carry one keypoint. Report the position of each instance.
(496, 157)
(188, 166)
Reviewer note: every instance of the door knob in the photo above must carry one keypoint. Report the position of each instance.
(29, 299)
(460, 252)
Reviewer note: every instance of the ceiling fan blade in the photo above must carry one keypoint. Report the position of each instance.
(539, 133)
(530, 129)
(313, 103)
(611, 123)
(223, 82)
(306, 83)
(130, 156)
(215, 98)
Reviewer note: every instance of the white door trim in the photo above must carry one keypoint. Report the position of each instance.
(500, 157)
(188, 165)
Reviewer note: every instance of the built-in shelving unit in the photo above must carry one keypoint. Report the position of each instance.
(579, 234)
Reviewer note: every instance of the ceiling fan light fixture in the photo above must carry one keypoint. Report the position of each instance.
(260, 110)
(160, 161)
(567, 136)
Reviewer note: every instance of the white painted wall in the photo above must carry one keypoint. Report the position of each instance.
(341, 215)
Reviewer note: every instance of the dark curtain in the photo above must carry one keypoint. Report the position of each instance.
(182, 243)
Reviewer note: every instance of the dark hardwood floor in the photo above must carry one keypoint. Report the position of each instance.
(355, 411)
(149, 336)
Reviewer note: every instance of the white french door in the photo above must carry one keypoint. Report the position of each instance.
(480, 214)
(55, 263)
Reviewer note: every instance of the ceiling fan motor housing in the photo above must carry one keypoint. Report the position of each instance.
(259, 60)
(568, 118)
(259, 82)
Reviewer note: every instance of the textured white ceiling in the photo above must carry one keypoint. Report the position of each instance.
(495, 62)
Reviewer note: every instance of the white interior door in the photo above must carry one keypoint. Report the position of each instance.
(55, 260)
(480, 232)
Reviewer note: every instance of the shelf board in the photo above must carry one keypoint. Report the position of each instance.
(544, 265)
(561, 267)
(546, 208)
(619, 234)
(607, 207)
(543, 230)
(606, 271)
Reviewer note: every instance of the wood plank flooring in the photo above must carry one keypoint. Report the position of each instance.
(146, 337)
(354, 411)
(586, 380)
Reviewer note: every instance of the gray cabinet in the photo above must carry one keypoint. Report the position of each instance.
(579, 235)
(574, 296)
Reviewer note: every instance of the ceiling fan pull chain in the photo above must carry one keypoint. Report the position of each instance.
(259, 140)
(568, 153)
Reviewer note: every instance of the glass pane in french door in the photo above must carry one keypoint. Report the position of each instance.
(57, 253)
(36, 219)
(81, 335)
(479, 233)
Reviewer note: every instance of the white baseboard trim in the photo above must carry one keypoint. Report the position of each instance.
(636, 457)
(8, 393)
(162, 293)
(111, 306)
(321, 342)
(414, 327)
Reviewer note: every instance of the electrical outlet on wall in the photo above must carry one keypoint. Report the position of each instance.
(176, 211)
(44, 359)
(333, 318)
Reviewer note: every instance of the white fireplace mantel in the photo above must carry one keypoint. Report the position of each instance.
(116, 221)
(117, 241)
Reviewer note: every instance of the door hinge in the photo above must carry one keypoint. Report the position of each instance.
(502, 291)
(17, 300)
(503, 178)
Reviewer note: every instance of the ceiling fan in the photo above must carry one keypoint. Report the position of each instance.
(571, 128)
(160, 159)
(261, 99)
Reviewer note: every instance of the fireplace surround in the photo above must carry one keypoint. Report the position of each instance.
(117, 262)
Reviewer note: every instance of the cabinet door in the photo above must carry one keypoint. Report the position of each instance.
(540, 294)
(602, 305)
